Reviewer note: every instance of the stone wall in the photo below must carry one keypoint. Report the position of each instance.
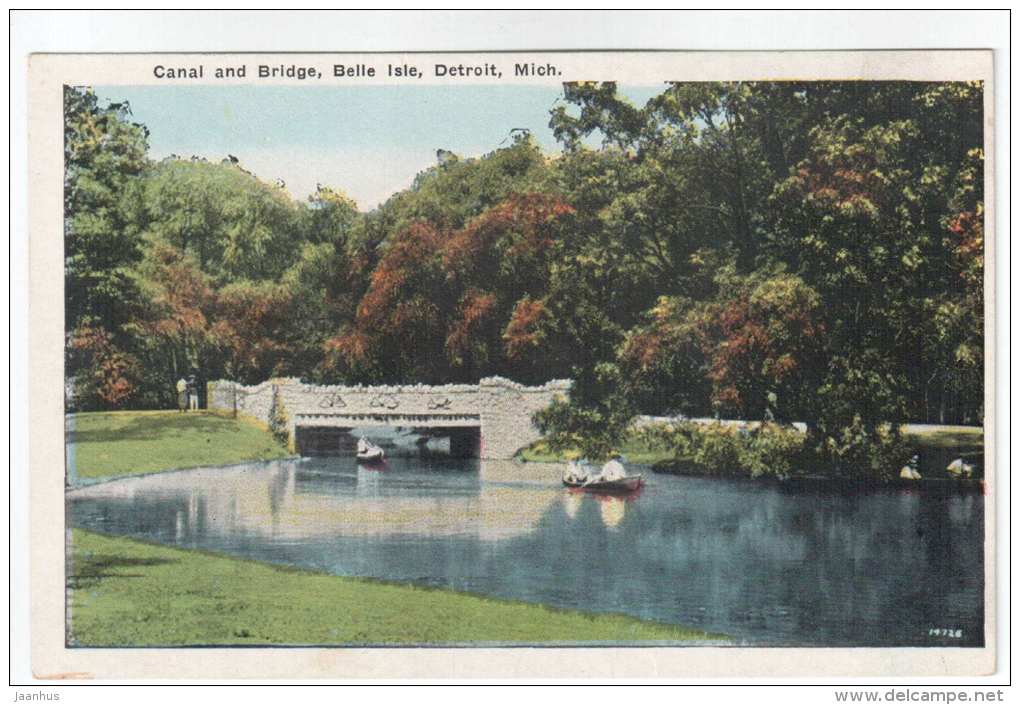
(506, 410)
(503, 408)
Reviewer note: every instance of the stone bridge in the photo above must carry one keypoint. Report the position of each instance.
(496, 409)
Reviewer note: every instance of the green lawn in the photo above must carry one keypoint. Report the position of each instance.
(961, 439)
(128, 593)
(937, 446)
(114, 444)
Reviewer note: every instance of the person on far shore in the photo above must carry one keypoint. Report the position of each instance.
(182, 395)
(192, 393)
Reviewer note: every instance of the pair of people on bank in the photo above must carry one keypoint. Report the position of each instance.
(187, 393)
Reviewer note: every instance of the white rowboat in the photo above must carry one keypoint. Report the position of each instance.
(369, 451)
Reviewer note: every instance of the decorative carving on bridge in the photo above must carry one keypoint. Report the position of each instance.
(439, 402)
(332, 401)
(384, 401)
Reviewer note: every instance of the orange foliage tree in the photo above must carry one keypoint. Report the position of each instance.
(449, 305)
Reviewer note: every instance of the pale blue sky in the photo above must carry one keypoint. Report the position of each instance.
(369, 141)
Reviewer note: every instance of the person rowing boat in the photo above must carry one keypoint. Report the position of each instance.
(367, 450)
(612, 477)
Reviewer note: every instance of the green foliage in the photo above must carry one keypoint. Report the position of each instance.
(773, 450)
(765, 450)
(710, 450)
(455, 190)
(332, 216)
(279, 419)
(773, 251)
(236, 226)
(857, 450)
(596, 418)
(104, 152)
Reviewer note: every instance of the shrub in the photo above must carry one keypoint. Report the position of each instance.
(859, 450)
(717, 449)
(704, 449)
(771, 449)
(278, 418)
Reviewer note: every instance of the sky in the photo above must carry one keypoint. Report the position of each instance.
(369, 141)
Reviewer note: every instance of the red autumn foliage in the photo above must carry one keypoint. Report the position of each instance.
(967, 243)
(475, 311)
(522, 332)
(843, 179)
(249, 324)
(760, 341)
(352, 347)
(112, 373)
(399, 303)
(405, 263)
(526, 221)
(424, 266)
(182, 297)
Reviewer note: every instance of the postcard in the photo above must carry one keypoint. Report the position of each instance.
(543, 365)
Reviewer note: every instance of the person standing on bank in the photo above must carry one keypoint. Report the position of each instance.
(182, 395)
(192, 393)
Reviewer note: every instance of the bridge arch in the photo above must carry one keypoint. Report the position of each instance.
(500, 408)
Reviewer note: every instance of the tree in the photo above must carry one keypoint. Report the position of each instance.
(251, 320)
(398, 331)
(595, 420)
(332, 216)
(764, 347)
(105, 376)
(754, 353)
(178, 331)
(867, 221)
(439, 302)
(787, 250)
(104, 152)
(236, 226)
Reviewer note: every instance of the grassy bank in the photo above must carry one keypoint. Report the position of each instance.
(961, 440)
(115, 444)
(129, 593)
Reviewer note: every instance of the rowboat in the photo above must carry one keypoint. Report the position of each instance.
(629, 483)
(368, 451)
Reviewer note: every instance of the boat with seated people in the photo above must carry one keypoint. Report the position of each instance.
(369, 452)
(612, 477)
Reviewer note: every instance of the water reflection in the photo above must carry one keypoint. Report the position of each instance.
(766, 564)
(572, 503)
(321, 497)
(612, 508)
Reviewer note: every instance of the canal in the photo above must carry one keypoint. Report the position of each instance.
(766, 564)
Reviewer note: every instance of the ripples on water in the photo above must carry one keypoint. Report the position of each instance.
(764, 564)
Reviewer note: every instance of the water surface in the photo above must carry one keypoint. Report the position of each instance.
(764, 564)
